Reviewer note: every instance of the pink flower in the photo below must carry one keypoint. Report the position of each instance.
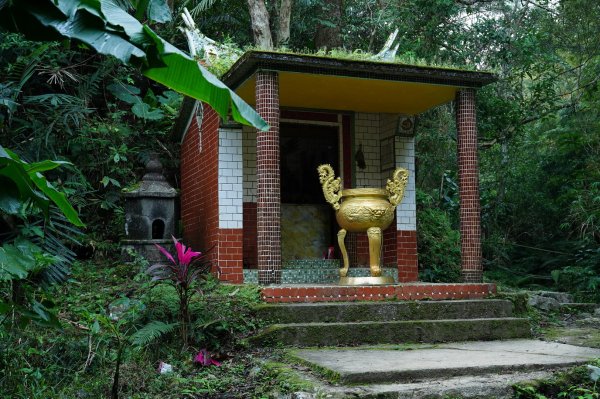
(185, 255)
(203, 358)
(165, 253)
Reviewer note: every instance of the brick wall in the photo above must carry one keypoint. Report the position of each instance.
(211, 194)
(199, 185)
(250, 245)
(404, 292)
(230, 250)
(230, 258)
(406, 214)
(406, 250)
(468, 178)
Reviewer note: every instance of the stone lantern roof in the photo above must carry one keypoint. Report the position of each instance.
(153, 183)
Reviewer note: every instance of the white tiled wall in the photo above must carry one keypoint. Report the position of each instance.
(369, 130)
(249, 144)
(406, 212)
(230, 178)
(366, 133)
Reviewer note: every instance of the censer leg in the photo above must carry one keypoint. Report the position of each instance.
(341, 237)
(374, 234)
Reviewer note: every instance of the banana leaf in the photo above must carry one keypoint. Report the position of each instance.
(108, 29)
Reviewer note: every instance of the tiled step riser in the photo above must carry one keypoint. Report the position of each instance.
(402, 292)
(387, 311)
(370, 333)
(324, 275)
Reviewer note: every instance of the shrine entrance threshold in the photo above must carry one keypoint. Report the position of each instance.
(309, 293)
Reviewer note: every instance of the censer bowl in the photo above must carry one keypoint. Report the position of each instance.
(363, 208)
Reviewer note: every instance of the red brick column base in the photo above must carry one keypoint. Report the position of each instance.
(229, 255)
(268, 203)
(468, 180)
(406, 256)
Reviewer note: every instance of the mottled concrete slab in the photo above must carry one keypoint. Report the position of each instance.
(446, 360)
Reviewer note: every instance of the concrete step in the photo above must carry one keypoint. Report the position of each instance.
(389, 332)
(384, 311)
(496, 386)
(464, 369)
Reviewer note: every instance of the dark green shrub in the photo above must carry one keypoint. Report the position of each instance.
(438, 243)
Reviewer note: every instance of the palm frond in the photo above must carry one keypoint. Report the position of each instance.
(23, 69)
(201, 6)
(57, 233)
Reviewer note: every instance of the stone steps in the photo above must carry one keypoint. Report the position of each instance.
(384, 311)
(369, 323)
(465, 369)
(391, 332)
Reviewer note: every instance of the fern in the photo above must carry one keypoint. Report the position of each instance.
(151, 332)
(57, 232)
(90, 87)
(24, 68)
(200, 6)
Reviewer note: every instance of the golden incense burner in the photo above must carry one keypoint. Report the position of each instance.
(360, 210)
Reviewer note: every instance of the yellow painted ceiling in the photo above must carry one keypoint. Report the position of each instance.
(303, 90)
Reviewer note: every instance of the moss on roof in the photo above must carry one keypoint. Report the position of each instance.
(220, 66)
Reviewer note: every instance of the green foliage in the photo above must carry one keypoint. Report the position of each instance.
(223, 313)
(583, 276)
(81, 358)
(110, 30)
(24, 183)
(151, 332)
(438, 243)
(577, 383)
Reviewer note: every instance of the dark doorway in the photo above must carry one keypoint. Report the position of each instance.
(307, 221)
(303, 148)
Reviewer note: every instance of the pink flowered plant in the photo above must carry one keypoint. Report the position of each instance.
(203, 358)
(182, 274)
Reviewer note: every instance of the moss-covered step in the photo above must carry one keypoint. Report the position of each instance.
(391, 332)
(384, 311)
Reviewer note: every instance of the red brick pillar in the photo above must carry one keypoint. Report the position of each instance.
(268, 201)
(468, 180)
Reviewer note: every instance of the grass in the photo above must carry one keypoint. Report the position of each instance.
(219, 66)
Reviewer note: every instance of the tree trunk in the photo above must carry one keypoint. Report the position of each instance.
(328, 35)
(260, 24)
(283, 30)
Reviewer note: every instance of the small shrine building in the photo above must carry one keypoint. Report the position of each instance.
(254, 198)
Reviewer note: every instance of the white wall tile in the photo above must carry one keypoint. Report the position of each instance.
(230, 178)
(406, 213)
